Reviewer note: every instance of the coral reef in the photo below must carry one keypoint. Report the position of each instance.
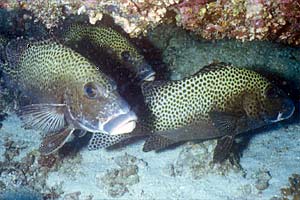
(196, 160)
(262, 179)
(15, 23)
(134, 16)
(242, 19)
(239, 19)
(22, 167)
(117, 181)
(184, 56)
(293, 190)
(14, 174)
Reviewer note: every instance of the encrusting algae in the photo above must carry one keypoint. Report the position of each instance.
(237, 19)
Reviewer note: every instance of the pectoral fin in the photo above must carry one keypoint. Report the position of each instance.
(54, 142)
(44, 117)
(223, 148)
(229, 125)
(157, 142)
(225, 122)
(101, 140)
(200, 130)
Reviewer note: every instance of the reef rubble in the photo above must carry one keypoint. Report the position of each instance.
(210, 19)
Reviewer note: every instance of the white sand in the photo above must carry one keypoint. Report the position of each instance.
(276, 151)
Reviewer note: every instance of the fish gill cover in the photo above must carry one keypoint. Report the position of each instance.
(82, 66)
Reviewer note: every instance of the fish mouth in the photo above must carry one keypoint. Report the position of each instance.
(287, 111)
(121, 124)
(149, 77)
(146, 73)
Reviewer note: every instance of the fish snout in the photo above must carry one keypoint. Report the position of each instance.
(145, 73)
(288, 108)
(121, 124)
(122, 120)
(286, 111)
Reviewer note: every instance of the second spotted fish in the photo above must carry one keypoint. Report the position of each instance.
(119, 46)
(220, 101)
(66, 93)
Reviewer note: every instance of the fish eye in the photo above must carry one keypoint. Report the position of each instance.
(272, 92)
(90, 90)
(125, 55)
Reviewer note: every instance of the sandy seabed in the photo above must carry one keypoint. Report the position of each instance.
(128, 173)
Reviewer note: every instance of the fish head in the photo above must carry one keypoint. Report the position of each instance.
(277, 105)
(98, 107)
(144, 71)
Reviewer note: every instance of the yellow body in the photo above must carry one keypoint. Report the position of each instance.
(51, 69)
(179, 103)
(107, 38)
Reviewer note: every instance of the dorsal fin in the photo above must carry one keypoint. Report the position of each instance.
(50, 40)
(212, 67)
(14, 51)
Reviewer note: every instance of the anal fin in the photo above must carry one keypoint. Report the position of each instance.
(54, 142)
(156, 142)
(102, 140)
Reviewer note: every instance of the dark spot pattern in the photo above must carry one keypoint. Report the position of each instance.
(100, 140)
(108, 38)
(49, 66)
(179, 103)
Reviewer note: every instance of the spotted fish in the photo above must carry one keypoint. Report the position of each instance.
(105, 37)
(66, 92)
(220, 101)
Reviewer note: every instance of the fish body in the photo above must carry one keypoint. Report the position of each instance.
(218, 101)
(107, 38)
(66, 93)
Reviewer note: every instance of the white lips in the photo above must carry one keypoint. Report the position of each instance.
(124, 128)
(280, 118)
(150, 78)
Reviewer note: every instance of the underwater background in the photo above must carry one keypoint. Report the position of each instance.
(177, 38)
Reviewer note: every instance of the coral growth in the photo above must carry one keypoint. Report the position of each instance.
(262, 179)
(16, 172)
(293, 190)
(117, 181)
(242, 19)
(134, 16)
(239, 19)
(196, 160)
